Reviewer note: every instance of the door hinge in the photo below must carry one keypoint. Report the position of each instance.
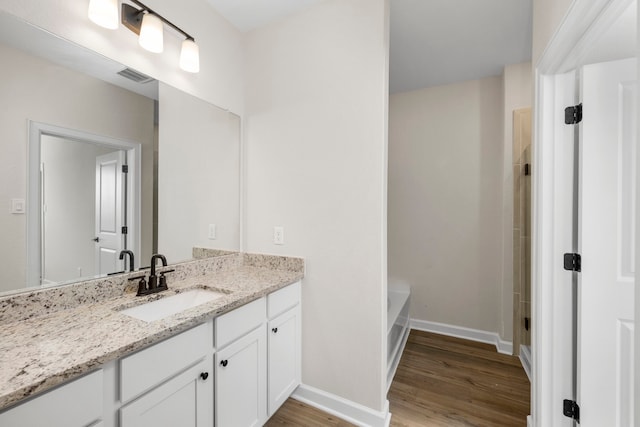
(573, 115)
(573, 262)
(571, 409)
(527, 169)
(526, 323)
(125, 229)
(125, 168)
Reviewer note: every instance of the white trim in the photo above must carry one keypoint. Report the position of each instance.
(504, 347)
(525, 360)
(134, 160)
(584, 23)
(529, 421)
(347, 410)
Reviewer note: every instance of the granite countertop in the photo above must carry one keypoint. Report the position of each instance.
(38, 352)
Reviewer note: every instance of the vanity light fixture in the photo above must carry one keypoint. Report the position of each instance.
(151, 33)
(149, 27)
(104, 13)
(190, 56)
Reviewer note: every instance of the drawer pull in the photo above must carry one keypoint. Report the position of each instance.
(224, 363)
(274, 330)
(204, 376)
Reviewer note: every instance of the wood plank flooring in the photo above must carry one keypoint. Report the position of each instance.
(441, 381)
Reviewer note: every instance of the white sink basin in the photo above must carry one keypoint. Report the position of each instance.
(168, 306)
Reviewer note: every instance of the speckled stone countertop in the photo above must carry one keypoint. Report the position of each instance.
(51, 336)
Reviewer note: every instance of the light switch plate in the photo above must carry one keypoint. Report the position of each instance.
(278, 235)
(17, 206)
(212, 231)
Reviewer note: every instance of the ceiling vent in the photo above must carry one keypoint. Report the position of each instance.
(135, 76)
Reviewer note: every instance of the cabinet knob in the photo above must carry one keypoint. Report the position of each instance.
(274, 330)
(223, 363)
(204, 375)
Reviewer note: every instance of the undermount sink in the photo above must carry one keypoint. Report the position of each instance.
(168, 306)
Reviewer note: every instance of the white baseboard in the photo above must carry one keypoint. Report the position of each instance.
(525, 360)
(504, 347)
(342, 408)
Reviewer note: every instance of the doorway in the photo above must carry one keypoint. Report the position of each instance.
(567, 220)
(83, 206)
(522, 169)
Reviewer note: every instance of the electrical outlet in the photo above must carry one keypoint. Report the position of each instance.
(278, 235)
(17, 206)
(212, 231)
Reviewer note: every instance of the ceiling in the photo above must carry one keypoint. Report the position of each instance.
(247, 15)
(433, 42)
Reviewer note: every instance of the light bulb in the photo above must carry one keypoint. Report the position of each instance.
(190, 56)
(104, 13)
(151, 33)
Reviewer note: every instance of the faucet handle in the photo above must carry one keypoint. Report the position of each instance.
(142, 285)
(163, 280)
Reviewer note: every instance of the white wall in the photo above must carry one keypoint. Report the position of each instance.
(518, 93)
(547, 17)
(198, 174)
(445, 184)
(317, 85)
(34, 89)
(220, 80)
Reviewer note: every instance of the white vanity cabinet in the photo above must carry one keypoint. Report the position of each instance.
(76, 404)
(170, 383)
(236, 370)
(283, 308)
(241, 366)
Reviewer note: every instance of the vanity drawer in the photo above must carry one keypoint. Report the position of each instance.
(283, 299)
(238, 322)
(75, 404)
(149, 367)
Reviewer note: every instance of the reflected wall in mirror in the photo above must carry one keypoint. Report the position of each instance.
(50, 83)
(199, 204)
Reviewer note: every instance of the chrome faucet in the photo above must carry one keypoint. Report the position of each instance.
(130, 254)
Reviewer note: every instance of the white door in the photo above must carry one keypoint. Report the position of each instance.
(606, 243)
(109, 212)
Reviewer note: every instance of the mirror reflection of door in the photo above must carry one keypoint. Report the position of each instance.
(110, 208)
(82, 200)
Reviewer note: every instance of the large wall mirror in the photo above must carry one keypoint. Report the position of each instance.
(96, 159)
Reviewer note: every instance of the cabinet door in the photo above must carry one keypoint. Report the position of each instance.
(241, 381)
(184, 401)
(284, 357)
(75, 404)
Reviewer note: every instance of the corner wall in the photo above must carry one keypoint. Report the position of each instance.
(445, 176)
(315, 132)
(547, 17)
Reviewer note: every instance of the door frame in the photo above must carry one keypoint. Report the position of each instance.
(33, 232)
(584, 23)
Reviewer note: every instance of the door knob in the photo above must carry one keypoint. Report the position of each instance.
(274, 330)
(204, 375)
(224, 363)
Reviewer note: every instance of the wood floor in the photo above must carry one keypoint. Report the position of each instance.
(441, 381)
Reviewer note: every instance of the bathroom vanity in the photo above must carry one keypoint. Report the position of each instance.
(231, 361)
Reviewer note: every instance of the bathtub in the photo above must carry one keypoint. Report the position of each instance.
(398, 298)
